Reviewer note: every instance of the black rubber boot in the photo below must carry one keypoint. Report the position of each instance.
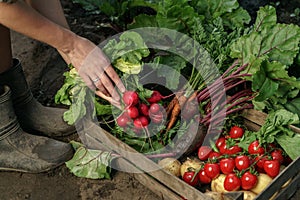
(32, 115)
(20, 151)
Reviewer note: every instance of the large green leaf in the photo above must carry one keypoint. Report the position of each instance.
(266, 17)
(281, 43)
(89, 163)
(215, 8)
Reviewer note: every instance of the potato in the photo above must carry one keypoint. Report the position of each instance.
(171, 165)
(248, 195)
(189, 163)
(263, 180)
(214, 195)
(217, 184)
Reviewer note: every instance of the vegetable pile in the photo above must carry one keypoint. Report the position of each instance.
(229, 165)
(255, 63)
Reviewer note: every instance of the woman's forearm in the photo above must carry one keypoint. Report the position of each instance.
(23, 19)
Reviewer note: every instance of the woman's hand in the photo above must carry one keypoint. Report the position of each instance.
(95, 69)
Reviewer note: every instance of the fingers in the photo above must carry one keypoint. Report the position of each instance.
(115, 78)
(109, 99)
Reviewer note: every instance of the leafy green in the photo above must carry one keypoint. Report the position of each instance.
(276, 129)
(268, 50)
(127, 53)
(89, 163)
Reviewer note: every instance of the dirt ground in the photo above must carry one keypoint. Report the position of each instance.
(43, 68)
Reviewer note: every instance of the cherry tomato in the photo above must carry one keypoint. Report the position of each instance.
(214, 155)
(277, 155)
(188, 178)
(260, 160)
(232, 182)
(255, 148)
(242, 162)
(203, 152)
(236, 132)
(220, 142)
(231, 150)
(212, 170)
(203, 178)
(227, 165)
(272, 167)
(248, 180)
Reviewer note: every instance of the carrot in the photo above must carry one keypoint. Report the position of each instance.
(180, 101)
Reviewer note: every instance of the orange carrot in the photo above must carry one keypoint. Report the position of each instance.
(178, 103)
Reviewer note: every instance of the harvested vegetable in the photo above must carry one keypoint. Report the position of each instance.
(190, 164)
(263, 180)
(172, 165)
(217, 184)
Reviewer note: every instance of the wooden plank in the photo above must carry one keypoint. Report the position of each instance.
(168, 186)
(143, 163)
(259, 118)
(160, 190)
(289, 172)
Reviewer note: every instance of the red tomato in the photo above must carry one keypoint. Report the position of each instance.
(248, 180)
(231, 150)
(203, 178)
(277, 155)
(272, 167)
(212, 170)
(236, 132)
(232, 182)
(242, 162)
(203, 152)
(188, 178)
(255, 148)
(260, 160)
(227, 165)
(220, 142)
(214, 155)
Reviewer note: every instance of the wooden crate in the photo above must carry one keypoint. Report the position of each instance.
(167, 186)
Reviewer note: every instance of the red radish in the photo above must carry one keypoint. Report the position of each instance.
(157, 117)
(140, 122)
(123, 120)
(144, 109)
(133, 112)
(154, 108)
(130, 98)
(155, 97)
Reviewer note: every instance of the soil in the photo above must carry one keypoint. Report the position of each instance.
(44, 68)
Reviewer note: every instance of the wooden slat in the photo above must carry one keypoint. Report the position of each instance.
(145, 164)
(157, 188)
(259, 118)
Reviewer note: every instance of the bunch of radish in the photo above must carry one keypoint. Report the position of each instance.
(140, 112)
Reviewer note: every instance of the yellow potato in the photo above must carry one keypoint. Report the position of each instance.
(194, 164)
(263, 180)
(248, 195)
(217, 184)
(171, 165)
